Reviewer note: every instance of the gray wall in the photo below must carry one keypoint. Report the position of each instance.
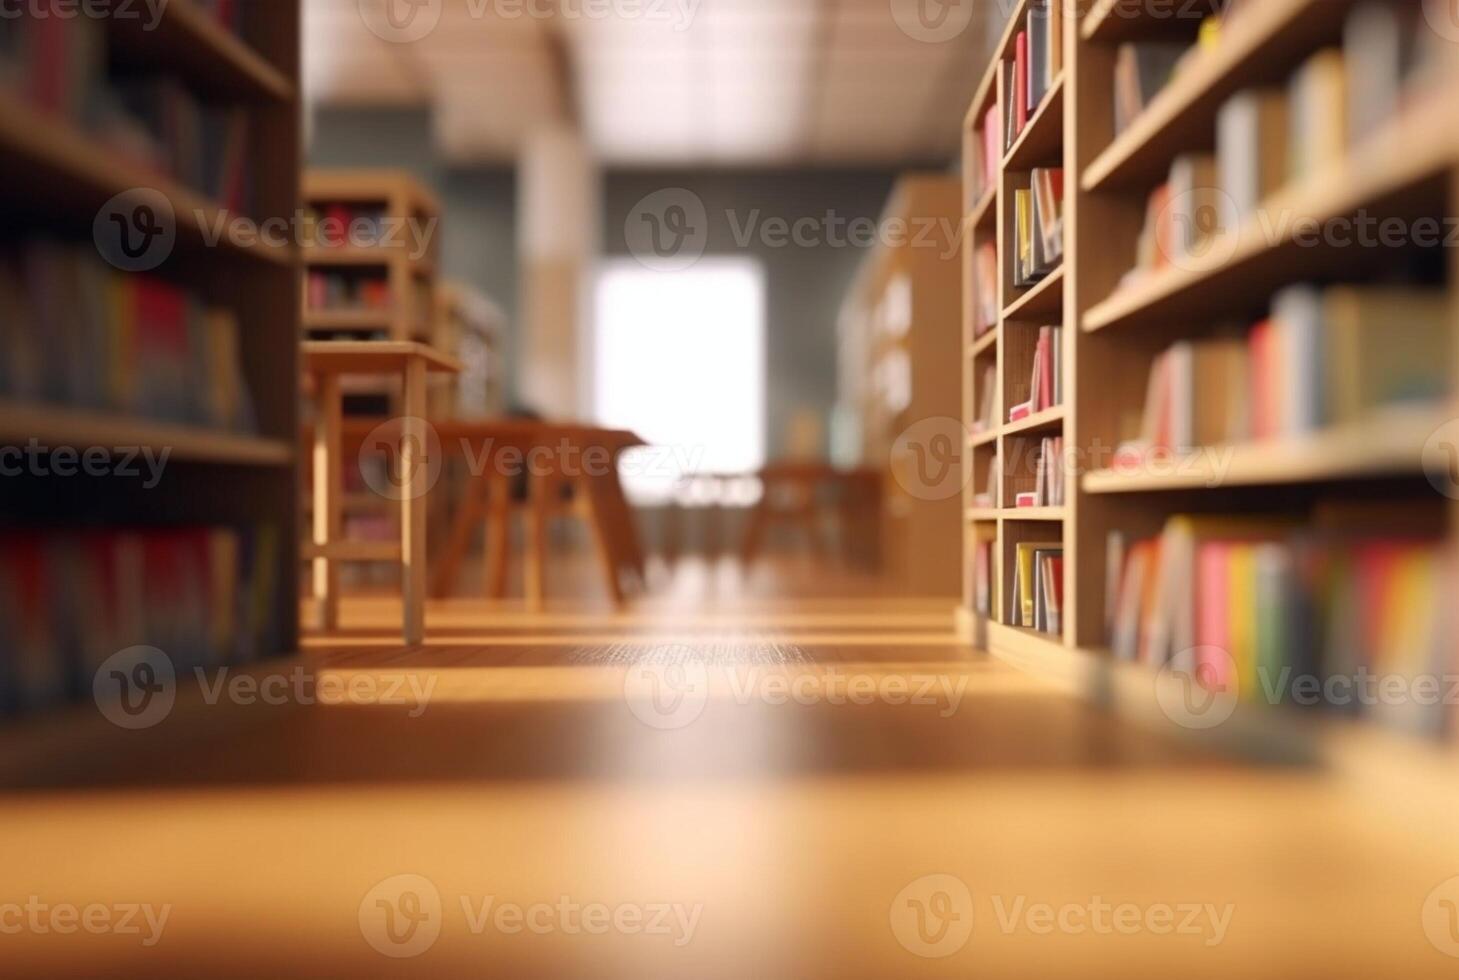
(478, 229)
(805, 286)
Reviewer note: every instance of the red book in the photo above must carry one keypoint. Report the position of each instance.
(1020, 82)
(1058, 570)
(1029, 499)
(1213, 615)
(992, 143)
(1265, 378)
(1020, 411)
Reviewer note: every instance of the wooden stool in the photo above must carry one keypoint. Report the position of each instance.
(327, 362)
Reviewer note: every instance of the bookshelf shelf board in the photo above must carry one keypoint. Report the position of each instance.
(59, 426)
(982, 513)
(1113, 21)
(985, 342)
(985, 438)
(983, 211)
(347, 319)
(1183, 115)
(1042, 652)
(82, 174)
(1389, 444)
(1049, 418)
(1046, 297)
(1243, 267)
(1043, 514)
(192, 41)
(1041, 144)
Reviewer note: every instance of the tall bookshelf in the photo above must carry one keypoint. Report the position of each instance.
(61, 174)
(1112, 330)
(1007, 347)
(898, 347)
(400, 255)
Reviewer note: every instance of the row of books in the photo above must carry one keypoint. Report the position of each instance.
(988, 497)
(1028, 77)
(60, 66)
(331, 289)
(985, 307)
(1049, 476)
(987, 414)
(1046, 386)
(1144, 68)
(1269, 610)
(203, 146)
(77, 332)
(1038, 586)
(1270, 138)
(68, 601)
(1039, 214)
(346, 225)
(1325, 357)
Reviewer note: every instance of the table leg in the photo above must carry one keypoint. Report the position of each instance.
(328, 486)
(541, 486)
(415, 467)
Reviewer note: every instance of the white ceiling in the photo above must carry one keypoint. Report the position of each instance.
(746, 82)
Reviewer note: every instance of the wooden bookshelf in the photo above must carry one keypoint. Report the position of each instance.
(1115, 326)
(59, 175)
(899, 350)
(403, 256)
(1021, 311)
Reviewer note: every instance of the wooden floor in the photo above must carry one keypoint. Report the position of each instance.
(786, 775)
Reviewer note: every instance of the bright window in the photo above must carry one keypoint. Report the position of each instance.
(679, 358)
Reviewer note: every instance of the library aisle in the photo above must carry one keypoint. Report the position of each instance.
(849, 795)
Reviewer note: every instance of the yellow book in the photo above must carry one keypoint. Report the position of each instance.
(1242, 632)
(1025, 571)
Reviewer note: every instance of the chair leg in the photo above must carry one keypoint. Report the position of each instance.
(590, 491)
(498, 536)
(755, 532)
(469, 514)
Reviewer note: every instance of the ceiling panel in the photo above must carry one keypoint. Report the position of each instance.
(772, 82)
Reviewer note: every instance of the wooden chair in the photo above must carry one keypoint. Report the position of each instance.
(561, 480)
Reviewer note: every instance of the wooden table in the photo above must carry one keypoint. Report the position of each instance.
(802, 482)
(327, 362)
(497, 451)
